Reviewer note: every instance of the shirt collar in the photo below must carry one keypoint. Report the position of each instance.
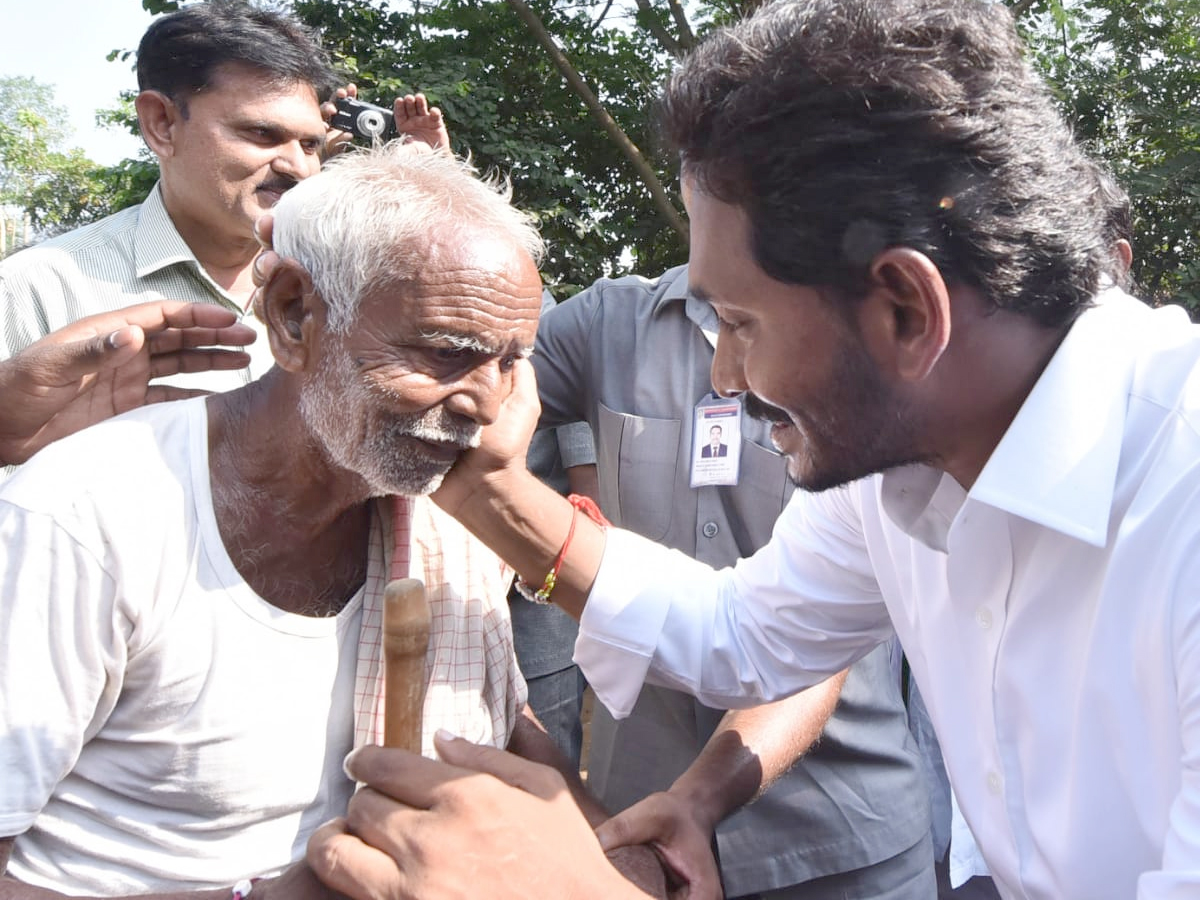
(1057, 463)
(672, 287)
(669, 287)
(157, 244)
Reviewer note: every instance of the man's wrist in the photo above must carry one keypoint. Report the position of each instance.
(471, 493)
(706, 804)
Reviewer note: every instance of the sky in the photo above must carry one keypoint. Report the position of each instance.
(63, 43)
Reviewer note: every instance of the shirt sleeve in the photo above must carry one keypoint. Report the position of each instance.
(804, 607)
(561, 358)
(24, 318)
(575, 447)
(61, 659)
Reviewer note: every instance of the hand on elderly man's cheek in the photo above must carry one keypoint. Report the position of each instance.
(503, 445)
(506, 440)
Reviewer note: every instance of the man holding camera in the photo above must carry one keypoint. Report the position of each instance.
(230, 102)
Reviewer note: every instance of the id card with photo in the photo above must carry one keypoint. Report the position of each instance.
(716, 441)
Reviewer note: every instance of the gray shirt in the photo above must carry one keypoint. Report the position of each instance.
(630, 357)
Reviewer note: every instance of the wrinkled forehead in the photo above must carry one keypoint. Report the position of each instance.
(483, 290)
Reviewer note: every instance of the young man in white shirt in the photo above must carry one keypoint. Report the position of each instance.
(1000, 456)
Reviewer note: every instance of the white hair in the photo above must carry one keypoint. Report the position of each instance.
(370, 214)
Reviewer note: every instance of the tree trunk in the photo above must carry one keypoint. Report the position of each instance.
(645, 171)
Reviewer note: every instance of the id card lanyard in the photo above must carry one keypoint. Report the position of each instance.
(716, 421)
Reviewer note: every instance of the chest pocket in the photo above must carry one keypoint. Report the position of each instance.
(637, 458)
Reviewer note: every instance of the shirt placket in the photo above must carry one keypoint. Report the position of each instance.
(979, 578)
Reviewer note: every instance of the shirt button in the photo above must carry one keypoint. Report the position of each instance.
(993, 782)
(983, 616)
(710, 529)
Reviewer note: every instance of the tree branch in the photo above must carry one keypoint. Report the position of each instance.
(603, 15)
(645, 171)
(686, 36)
(655, 27)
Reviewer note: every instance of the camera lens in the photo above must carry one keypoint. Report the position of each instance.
(370, 122)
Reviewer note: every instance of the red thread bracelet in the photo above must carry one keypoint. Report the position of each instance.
(588, 507)
(542, 594)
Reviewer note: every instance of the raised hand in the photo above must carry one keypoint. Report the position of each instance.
(102, 365)
(421, 122)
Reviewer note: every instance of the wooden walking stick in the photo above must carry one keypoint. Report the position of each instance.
(406, 621)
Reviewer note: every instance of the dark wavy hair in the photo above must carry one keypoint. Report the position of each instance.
(180, 53)
(843, 127)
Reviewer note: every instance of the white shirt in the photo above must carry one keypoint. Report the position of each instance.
(1051, 616)
(162, 726)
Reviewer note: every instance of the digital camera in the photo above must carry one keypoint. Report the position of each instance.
(364, 120)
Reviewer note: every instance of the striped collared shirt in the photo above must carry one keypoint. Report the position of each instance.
(133, 256)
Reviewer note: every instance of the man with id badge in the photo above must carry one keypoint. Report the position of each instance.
(687, 469)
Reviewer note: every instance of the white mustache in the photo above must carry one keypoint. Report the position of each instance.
(465, 437)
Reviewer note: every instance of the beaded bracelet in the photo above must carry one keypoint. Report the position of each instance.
(541, 596)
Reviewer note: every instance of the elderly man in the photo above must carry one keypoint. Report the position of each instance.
(229, 101)
(189, 624)
(999, 451)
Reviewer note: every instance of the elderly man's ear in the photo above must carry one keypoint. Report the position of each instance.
(293, 312)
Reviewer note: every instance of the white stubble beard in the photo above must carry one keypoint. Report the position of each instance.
(335, 406)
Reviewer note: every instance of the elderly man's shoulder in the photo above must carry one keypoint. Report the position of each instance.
(117, 476)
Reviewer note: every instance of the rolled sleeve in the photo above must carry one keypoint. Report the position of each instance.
(575, 446)
(623, 619)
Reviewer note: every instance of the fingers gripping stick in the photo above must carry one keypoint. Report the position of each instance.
(405, 641)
